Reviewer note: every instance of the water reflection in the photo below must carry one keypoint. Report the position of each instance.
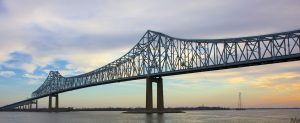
(155, 118)
(247, 116)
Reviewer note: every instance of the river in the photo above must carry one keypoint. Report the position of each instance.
(225, 116)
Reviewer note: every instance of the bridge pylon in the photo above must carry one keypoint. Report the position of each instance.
(149, 97)
(160, 98)
(50, 102)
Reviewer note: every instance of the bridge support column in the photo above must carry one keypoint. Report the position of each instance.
(36, 104)
(56, 101)
(149, 102)
(149, 97)
(160, 95)
(50, 102)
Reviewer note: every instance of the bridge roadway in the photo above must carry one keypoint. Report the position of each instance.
(157, 55)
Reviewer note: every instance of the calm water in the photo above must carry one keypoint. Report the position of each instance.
(248, 116)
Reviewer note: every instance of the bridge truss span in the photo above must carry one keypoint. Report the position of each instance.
(157, 54)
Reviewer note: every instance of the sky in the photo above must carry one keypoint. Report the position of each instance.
(75, 37)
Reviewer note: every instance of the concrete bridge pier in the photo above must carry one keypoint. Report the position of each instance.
(30, 106)
(50, 102)
(149, 97)
(160, 95)
(36, 104)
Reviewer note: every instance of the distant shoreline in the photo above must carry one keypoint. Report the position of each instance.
(134, 109)
(176, 108)
(70, 109)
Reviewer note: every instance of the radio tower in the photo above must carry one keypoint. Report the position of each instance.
(240, 101)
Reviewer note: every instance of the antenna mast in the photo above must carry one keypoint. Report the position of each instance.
(240, 101)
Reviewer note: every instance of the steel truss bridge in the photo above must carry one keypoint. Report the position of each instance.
(157, 55)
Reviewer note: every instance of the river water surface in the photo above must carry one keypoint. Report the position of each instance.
(228, 116)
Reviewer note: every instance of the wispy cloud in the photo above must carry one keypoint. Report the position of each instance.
(235, 80)
(281, 81)
(31, 76)
(20, 60)
(34, 79)
(7, 73)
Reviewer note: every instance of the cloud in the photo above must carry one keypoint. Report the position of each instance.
(7, 73)
(34, 79)
(77, 37)
(273, 77)
(236, 80)
(101, 31)
(20, 60)
(30, 68)
(31, 76)
(280, 82)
